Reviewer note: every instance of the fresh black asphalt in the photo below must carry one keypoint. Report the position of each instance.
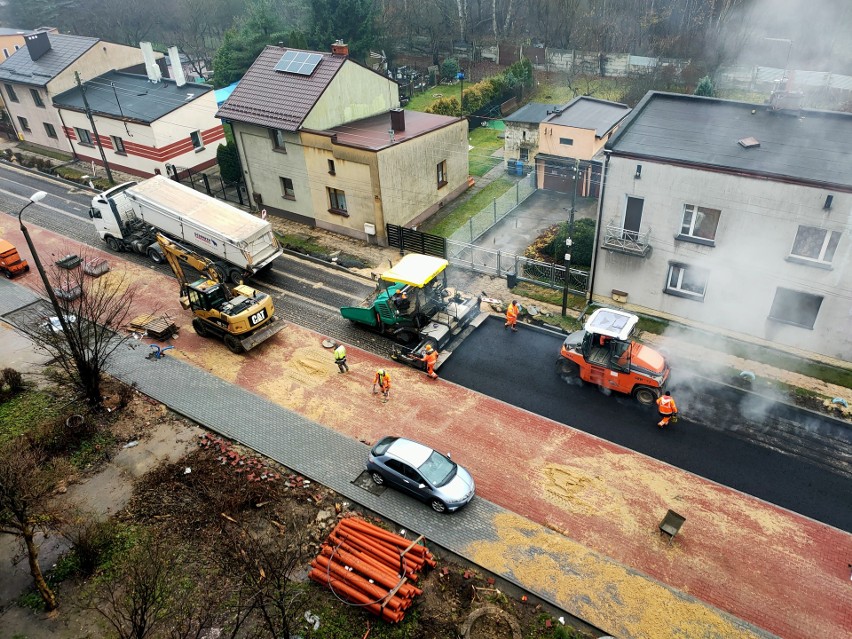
(520, 369)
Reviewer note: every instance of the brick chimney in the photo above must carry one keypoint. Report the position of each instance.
(397, 119)
(339, 48)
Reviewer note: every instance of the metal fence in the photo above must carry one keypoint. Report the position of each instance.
(499, 208)
(212, 184)
(515, 267)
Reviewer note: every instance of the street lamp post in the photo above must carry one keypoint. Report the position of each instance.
(38, 196)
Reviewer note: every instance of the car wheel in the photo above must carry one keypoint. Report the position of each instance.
(113, 244)
(438, 506)
(645, 395)
(200, 328)
(377, 478)
(234, 345)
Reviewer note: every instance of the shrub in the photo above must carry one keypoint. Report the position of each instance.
(705, 87)
(449, 69)
(229, 162)
(13, 379)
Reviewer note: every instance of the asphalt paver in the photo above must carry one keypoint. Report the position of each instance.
(563, 514)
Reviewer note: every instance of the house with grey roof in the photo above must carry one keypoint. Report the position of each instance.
(47, 66)
(323, 141)
(563, 142)
(733, 217)
(145, 126)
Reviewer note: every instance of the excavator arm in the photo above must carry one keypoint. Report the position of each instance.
(177, 254)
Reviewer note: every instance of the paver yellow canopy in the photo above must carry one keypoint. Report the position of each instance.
(416, 270)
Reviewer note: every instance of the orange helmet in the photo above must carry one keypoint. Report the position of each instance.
(429, 348)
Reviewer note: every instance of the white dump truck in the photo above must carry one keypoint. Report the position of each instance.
(129, 216)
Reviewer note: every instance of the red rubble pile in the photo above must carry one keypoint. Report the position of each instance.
(256, 470)
(371, 567)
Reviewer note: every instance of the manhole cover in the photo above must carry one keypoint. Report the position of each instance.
(365, 481)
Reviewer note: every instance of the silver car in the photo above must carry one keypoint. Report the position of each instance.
(421, 472)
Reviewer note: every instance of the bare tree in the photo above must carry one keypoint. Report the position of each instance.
(95, 310)
(266, 564)
(27, 478)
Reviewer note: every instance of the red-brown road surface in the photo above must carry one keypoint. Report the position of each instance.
(779, 571)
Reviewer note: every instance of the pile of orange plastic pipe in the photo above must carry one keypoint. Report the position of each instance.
(371, 567)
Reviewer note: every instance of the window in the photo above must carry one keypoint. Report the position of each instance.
(5, 53)
(699, 223)
(686, 281)
(118, 145)
(566, 141)
(815, 245)
(278, 140)
(48, 128)
(197, 141)
(331, 167)
(524, 154)
(37, 98)
(793, 307)
(25, 125)
(84, 136)
(287, 189)
(442, 173)
(10, 91)
(337, 202)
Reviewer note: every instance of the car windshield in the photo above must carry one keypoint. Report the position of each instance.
(438, 470)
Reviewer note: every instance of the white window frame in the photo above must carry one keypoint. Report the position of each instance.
(678, 271)
(118, 145)
(48, 127)
(687, 228)
(278, 141)
(441, 170)
(824, 258)
(336, 197)
(288, 193)
(25, 124)
(10, 91)
(197, 141)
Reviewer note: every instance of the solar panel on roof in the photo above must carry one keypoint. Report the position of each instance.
(298, 62)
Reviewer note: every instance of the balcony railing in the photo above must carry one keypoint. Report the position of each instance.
(617, 238)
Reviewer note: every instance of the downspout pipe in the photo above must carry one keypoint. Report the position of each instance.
(598, 226)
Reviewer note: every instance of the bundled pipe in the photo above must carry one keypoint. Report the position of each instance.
(371, 567)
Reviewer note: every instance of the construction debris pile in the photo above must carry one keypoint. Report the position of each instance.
(371, 567)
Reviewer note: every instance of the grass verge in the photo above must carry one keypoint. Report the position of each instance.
(40, 150)
(459, 216)
(20, 412)
(484, 142)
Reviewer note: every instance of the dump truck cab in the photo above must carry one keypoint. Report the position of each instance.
(604, 353)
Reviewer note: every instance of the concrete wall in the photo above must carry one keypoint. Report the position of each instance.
(408, 173)
(757, 227)
(584, 147)
(354, 93)
(264, 166)
(515, 134)
(150, 147)
(36, 117)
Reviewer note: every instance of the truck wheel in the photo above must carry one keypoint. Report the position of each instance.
(235, 276)
(200, 328)
(155, 256)
(233, 344)
(645, 395)
(113, 244)
(8, 274)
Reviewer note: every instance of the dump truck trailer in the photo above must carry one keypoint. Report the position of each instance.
(129, 216)
(11, 263)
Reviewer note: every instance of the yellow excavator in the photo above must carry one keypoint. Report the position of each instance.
(241, 316)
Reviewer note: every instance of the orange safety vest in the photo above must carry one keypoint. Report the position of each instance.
(430, 358)
(512, 312)
(666, 404)
(382, 380)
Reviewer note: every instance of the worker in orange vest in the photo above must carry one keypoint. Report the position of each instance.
(667, 407)
(512, 315)
(430, 356)
(382, 380)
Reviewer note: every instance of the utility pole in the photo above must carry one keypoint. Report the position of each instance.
(94, 128)
(460, 76)
(569, 241)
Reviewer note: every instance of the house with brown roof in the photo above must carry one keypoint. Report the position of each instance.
(323, 141)
(47, 66)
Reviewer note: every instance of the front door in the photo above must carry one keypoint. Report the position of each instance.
(632, 218)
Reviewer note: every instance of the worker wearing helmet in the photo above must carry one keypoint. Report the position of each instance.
(382, 381)
(668, 409)
(430, 356)
(340, 358)
(512, 315)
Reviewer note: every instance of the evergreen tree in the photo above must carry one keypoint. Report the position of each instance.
(229, 162)
(705, 87)
(352, 21)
